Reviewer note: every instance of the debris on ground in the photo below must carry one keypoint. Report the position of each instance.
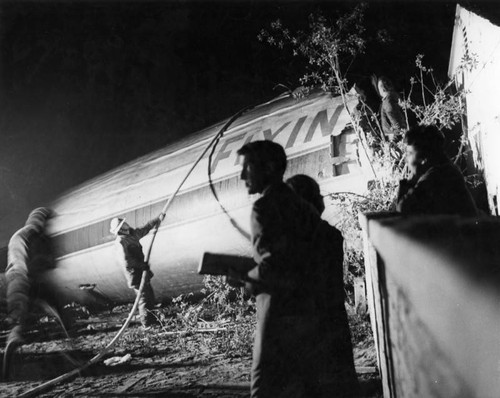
(195, 361)
(113, 361)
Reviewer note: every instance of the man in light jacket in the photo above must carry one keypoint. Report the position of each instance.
(131, 258)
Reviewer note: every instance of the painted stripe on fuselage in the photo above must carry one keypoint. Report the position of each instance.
(191, 205)
(305, 144)
(186, 207)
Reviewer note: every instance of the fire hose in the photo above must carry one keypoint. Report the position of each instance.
(212, 144)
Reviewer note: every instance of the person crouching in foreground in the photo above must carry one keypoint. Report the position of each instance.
(334, 347)
(131, 258)
(283, 227)
(29, 256)
(435, 184)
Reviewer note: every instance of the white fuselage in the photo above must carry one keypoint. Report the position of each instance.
(312, 131)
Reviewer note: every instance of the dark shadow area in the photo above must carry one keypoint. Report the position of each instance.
(370, 385)
(89, 332)
(32, 367)
(167, 394)
(49, 332)
(103, 370)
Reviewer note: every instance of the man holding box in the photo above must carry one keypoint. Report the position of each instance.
(283, 230)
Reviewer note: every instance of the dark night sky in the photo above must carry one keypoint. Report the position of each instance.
(86, 86)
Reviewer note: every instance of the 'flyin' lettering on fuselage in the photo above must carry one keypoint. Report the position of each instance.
(320, 119)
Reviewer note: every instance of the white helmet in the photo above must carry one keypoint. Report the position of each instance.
(115, 225)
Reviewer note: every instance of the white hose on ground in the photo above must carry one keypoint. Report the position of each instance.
(45, 386)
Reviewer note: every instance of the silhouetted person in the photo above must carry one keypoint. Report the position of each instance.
(367, 107)
(29, 256)
(337, 374)
(308, 189)
(436, 185)
(392, 117)
(283, 228)
(131, 258)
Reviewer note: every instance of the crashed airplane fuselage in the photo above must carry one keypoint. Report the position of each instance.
(313, 132)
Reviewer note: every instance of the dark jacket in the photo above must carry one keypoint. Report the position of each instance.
(440, 190)
(283, 230)
(329, 285)
(302, 344)
(392, 117)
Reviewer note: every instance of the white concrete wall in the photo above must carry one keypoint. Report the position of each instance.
(477, 37)
(434, 291)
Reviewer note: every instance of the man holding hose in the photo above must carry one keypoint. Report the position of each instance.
(29, 256)
(131, 258)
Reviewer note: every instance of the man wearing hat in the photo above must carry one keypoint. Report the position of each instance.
(29, 255)
(131, 258)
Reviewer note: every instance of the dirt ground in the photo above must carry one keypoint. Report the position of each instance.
(157, 363)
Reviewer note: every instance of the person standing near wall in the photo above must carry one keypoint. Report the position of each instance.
(435, 184)
(131, 258)
(366, 109)
(283, 229)
(392, 117)
(336, 370)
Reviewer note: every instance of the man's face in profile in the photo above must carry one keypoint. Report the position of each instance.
(382, 89)
(253, 175)
(125, 229)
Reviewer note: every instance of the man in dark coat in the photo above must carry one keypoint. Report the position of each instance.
(392, 117)
(334, 353)
(436, 185)
(366, 109)
(283, 230)
(131, 258)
